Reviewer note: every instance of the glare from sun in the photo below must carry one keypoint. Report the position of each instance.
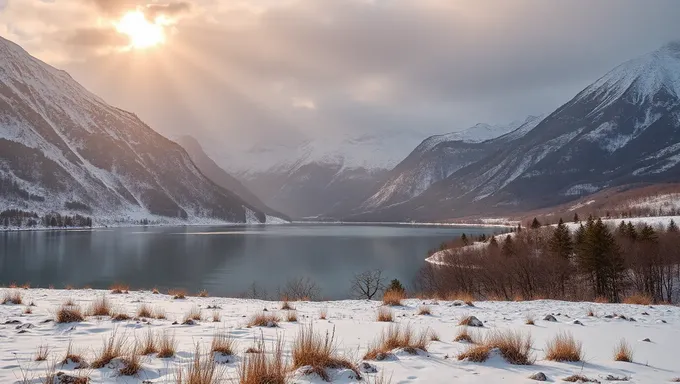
(142, 32)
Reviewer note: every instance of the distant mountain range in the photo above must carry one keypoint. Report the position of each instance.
(63, 149)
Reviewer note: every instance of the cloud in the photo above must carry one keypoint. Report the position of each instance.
(171, 10)
(96, 37)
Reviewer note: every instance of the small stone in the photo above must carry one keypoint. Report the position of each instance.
(8, 322)
(578, 322)
(366, 367)
(538, 376)
(645, 314)
(647, 340)
(608, 316)
(632, 319)
(550, 318)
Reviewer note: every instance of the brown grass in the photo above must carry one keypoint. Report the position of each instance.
(118, 315)
(434, 336)
(476, 353)
(291, 316)
(113, 347)
(216, 317)
(323, 313)
(28, 310)
(319, 353)
(563, 347)
(178, 293)
(144, 311)
(202, 370)
(120, 288)
(579, 379)
(194, 314)
(287, 306)
(41, 353)
(167, 345)
(515, 347)
(465, 297)
(264, 319)
(149, 344)
(223, 343)
(385, 314)
(529, 319)
(264, 368)
(12, 297)
(100, 306)
(601, 300)
(466, 320)
(69, 301)
(623, 352)
(203, 293)
(159, 313)
(591, 312)
(398, 337)
(424, 310)
(155, 291)
(393, 297)
(69, 314)
(639, 299)
(74, 357)
(132, 364)
(464, 335)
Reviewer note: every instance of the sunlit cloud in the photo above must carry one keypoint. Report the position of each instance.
(303, 102)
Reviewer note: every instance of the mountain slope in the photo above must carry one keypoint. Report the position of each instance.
(623, 129)
(213, 171)
(61, 146)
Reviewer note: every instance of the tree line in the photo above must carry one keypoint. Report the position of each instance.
(17, 218)
(591, 261)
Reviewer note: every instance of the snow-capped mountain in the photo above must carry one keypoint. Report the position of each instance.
(437, 157)
(623, 129)
(64, 149)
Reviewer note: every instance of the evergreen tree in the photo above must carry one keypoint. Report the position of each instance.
(672, 227)
(493, 242)
(631, 233)
(535, 224)
(647, 234)
(508, 247)
(561, 243)
(395, 285)
(576, 218)
(519, 228)
(464, 240)
(600, 257)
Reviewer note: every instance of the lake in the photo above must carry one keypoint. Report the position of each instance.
(226, 261)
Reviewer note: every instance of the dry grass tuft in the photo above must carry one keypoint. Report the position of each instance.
(203, 293)
(119, 316)
(319, 353)
(476, 353)
(180, 294)
(639, 299)
(393, 297)
(223, 343)
(398, 337)
(132, 364)
(601, 300)
(264, 368)
(591, 312)
(159, 313)
(100, 307)
(579, 379)
(291, 316)
(287, 306)
(28, 310)
(194, 314)
(12, 297)
(464, 336)
(563, 347)
(216, 317)
(155, 291)
(264, 319)
(202, 370)
(69, 314)
(113, 347)
(41, 353)
(623, 352)
(167, 345)
(149, 344)
(69, 301)
(514, 346)
(385, 315)
(465, 297)
(323, 313)
(424, 310)
(434, 336)
(144, 311)
(73, 357)
(119, 288)
(529, 319)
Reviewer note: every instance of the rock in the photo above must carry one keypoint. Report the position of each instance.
(632, 319)
(472, 321)
(366, 367)
(538, 376)
(608, 316)
(25, 326)
(645, 314)
(46, 321)
(550, 318)
(577, 322)
(662, 321)
(63, 378)
(8, 322)
(458, 303)
(646, 340)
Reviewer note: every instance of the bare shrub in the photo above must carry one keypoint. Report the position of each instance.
(302, 288)
(563, 347)
(119, 288)
(393, 297)
(385, 314)
(201, 370)
(167, 345)
(623, 352)
(367, 284)
(12, 297)
(69, 314)
(100, 306)
(395, 337)
(264, 319)
(639, 299)
(113, 348)
(424, 310)
(319, 353)
(262, 367)
(223, 343)
(203, 293)
(144, 311)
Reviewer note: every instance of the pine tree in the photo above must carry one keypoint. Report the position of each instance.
(576, 218)
(600, 257)
(672, 227)
(493, 242)
(464, 240)
(508, 247)
(561, 243)
(631, 233)
(395, 285)
(519, 228)
(535, 224)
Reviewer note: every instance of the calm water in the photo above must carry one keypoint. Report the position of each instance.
(223, 260)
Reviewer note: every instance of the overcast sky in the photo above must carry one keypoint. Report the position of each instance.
(237, 72)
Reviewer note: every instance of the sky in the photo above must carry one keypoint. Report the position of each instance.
(237, 74)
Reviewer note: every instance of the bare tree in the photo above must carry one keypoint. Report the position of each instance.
(302, 288)
(367, 284)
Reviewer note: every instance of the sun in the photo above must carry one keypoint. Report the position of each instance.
(142, 32)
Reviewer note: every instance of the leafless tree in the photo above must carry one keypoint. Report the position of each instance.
(302, 288)
(366, 285)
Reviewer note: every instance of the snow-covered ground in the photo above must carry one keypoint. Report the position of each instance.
(654, 361)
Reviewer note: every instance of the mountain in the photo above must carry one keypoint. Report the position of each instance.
(63, 149)
(437, 157)
(220, 177)
(623, 129)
